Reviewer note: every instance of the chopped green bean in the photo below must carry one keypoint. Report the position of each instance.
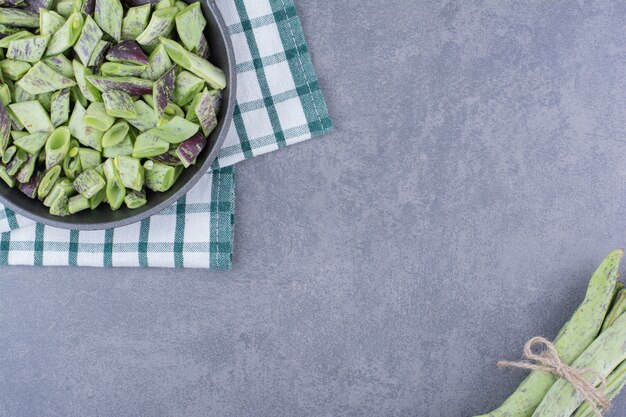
(6, 177)
(125, 147)
(14, 70)
(8, 154)
(187, 87)
(88, 183)
(115, 191)
(131, 172)
(121, 70)
(160, 25)
(163, 91)
(78, 203)
(19, 18)
(57, 146)
(161, 177)
(32, 143)
(190, 24)
(108, 14)
(192, 62)
(60, 64)
(65, 8)
(131, 85)
(135, 199)
(16, 162)
(81, 72)
(158, 63)
(146, 117)
(115, 135)
(29, 49)
(42, 79)
(32, 115)
(48, 181)
(89, 158)
(67, 35)
(85, 134)
(89, 37)
(147, 144)
(136, 21)
(99, 53)
(175, 130)
(97, 117)
(49, 21)
(27, 170)
(60, 107)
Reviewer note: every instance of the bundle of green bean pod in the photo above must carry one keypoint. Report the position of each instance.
(595, 339)
(102, 100)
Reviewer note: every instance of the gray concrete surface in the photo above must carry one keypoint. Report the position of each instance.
(475, 180)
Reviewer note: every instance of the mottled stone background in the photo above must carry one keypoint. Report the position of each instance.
(475, 180)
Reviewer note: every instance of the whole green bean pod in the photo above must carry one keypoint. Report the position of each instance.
(614, 385)
(574, 338)
(605, 354)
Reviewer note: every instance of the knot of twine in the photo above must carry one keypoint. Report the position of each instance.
(548, 360)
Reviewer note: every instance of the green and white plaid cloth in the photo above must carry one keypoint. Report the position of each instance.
(279, 103)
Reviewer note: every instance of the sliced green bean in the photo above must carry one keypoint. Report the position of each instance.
(115, 135)
(146, 117)
(65, 8)
(89, 183)
(60, 107)
(131, 172)
(48, 181)
(89, 158)
(5, 129)
(158, 63)
(6, 41)
(135, 199)
(32, 143)
(132, 85)
(163, 91)
(72, 166)
(192, 62)
(121, 70)
(119, 104)
(19, 94)
(42, 79)
(99, 53)
(97, 117)
(161, 177)
(205, 113)
(14, 70)
(147, 144)
(60, 64)
(81, 73)
(175, 130)
(161, 24)
(190, 24)
(22, 18)
(8, 154)
(67, 35)
(6, 177)
(125, 147)
(28, 49)
(86, 135)
(46, 101)
(32, 115)
(57, 146)
(16, 162)
(128, 52)
(27, 170)
(136, 21)
(187, 87)
(5, 93)
(115, 191)
(89, 37)
(108, 14)
(78, 203)
(49, 21)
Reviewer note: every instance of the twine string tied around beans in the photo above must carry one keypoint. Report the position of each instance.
(548, 360)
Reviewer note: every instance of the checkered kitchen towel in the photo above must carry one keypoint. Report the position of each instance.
(279, 103)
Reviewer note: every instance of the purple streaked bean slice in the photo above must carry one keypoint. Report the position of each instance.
(127, 51)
